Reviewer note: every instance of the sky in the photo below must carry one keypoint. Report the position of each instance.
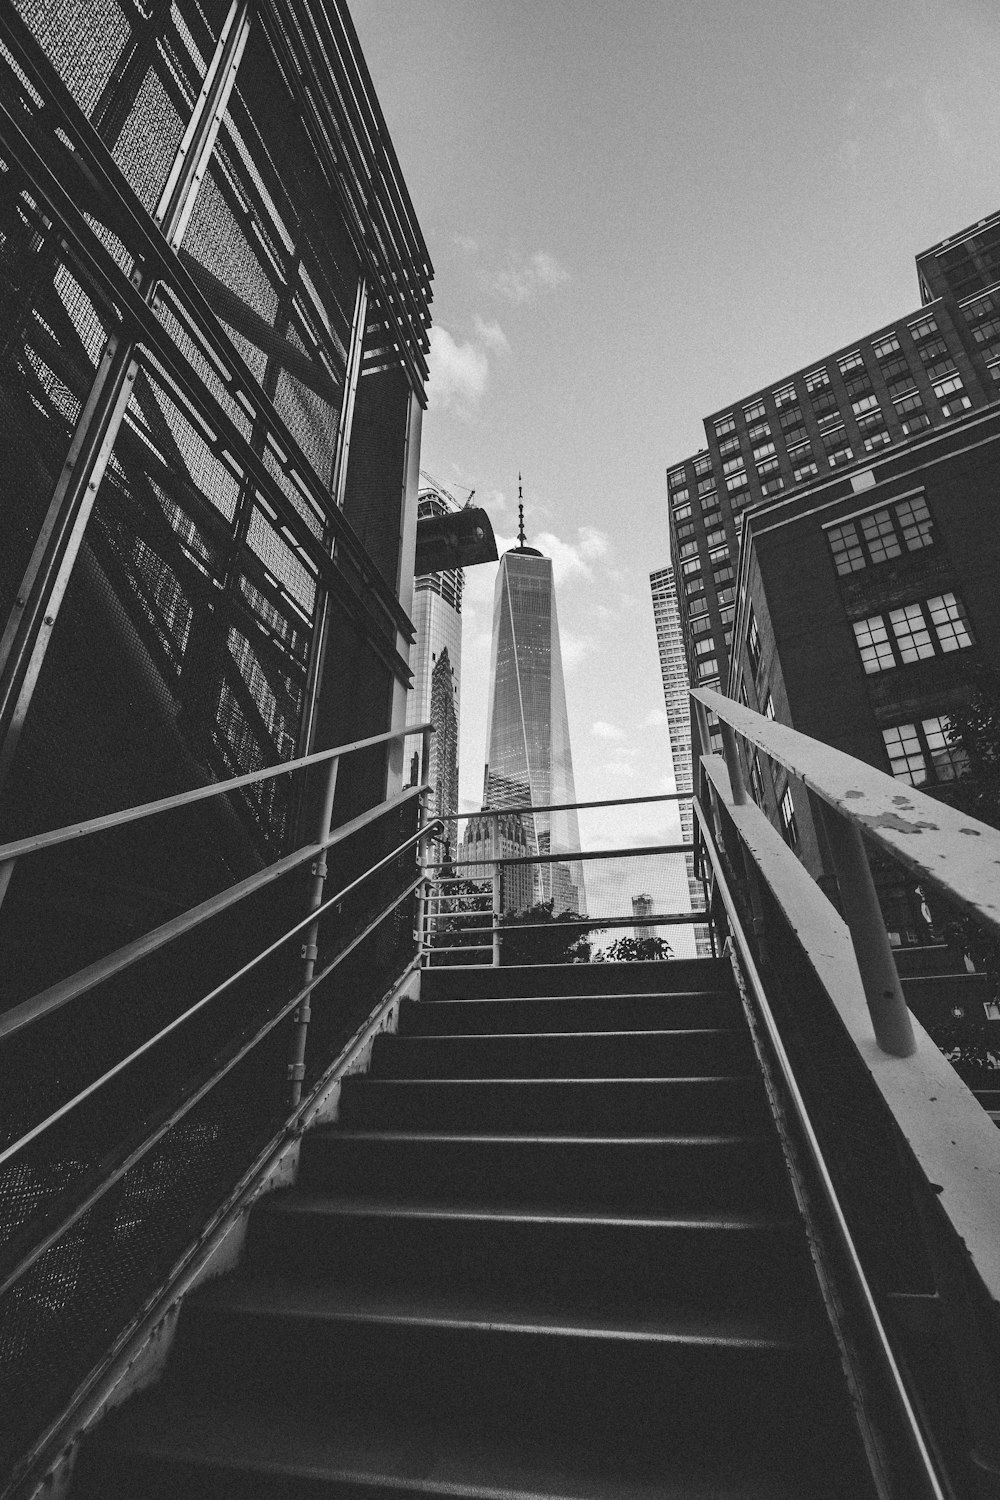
(639, 211)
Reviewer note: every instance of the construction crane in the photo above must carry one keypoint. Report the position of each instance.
(446, 492)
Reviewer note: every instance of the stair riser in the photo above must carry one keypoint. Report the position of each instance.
(669, 1054)
(624, 1268)
(575, 979)
(600, 1013)
(639, 1177)
(615, 1107)
(566, 1385)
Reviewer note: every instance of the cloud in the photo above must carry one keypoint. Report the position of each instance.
(605, 731)
(522, 279)
(573, 559)
(458, 372)
(465, 242)
(620, 768)
(575, 649)
(654, 717)
(492, 335)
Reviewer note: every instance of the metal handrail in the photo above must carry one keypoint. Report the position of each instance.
(952, 851)
(566, 857)
(818, 1161)
(75, 985)
(35, 842)
(165, 1031)
(571, 806)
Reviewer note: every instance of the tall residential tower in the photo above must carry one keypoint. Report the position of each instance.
(437, 668)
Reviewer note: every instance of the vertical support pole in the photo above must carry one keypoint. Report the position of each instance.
(497, 894)
(6, 871)
(704, 735)
(39, 598)
(300, 1018)
(402, 695)
(883, 991)
(424, 896)
(733, 766)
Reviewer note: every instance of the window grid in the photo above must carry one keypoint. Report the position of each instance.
(789, 826)
(923, 751)
(913, 632)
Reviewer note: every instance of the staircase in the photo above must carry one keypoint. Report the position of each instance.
(549, 1250)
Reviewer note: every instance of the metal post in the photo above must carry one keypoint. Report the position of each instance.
(733, 765)
(701, 723)
(423, 851)
(300, 1018)
(39, 598)
(495, 845)
(883, 991)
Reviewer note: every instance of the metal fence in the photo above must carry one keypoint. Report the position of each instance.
(493, 896)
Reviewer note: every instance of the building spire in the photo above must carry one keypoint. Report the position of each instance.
(520, 514)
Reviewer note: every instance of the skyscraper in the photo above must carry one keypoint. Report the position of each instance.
(527, 735)
(437, 669)
(674, 672)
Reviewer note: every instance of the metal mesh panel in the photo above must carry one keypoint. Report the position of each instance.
(85, 40)
(374, 492)
(69, 1306)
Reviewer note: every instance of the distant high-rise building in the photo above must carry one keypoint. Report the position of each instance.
(527, 734)
(886, 391)
(437, 671)
(674, 672)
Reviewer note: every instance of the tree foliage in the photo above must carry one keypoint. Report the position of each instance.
(545, 941)
(630, 950)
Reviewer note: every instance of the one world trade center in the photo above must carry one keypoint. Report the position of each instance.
(527, 734)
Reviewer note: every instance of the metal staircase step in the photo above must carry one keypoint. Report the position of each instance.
(623, 1054)
(631, 1012)
(648, 1173)
(568, 1259)
(461, 982)
(579, 1106)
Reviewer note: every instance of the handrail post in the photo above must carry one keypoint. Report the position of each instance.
(300, 1018)
(6, 872)
(863, 915)
(423, 850)
(733, 765)
(495, 904)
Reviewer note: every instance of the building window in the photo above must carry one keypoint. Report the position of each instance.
(698, 627)
(978, 309)
(916, 423)
(676, 480)
(692, 567)
(732, 465)
(922, 752)
(923, 329)
(754, 412)
(760, 430)
(884, 347)
(728, 446)
(767, 466)
(696, 606)
(851, 362)
(987, 332)
(769, 706)
(896, 369)
(681, 512)
(753, 642)
(689, 549)
(838, 449)
(773, 486)
(763, 450)
(933, 627)
(711, 518)
(703, 648)
(797, 433)
(685, 531)
(940, 368)
(737, 482)
(724, 574)
(932, 350)
(804, 471)
(789, 827)
(877, 438)
(706, 487)
(880, 535)
(756, 780)
(726, 596)
(726, 615)
(908, 401)
(785, 397)
(716, 538)
(866, 403)
(702, 465)
(817, 381)
(725, 424)
(709, 668)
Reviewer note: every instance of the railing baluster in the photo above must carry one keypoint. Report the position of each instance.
(496, 890)
(300, 1019)
(863, 915)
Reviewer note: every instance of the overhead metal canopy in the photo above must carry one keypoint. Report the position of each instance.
(458, 539)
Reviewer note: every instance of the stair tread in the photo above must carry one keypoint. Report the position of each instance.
(562, 1036)
(304, 1202)
(438, 1460)
(261, 1296)
(493, 1138)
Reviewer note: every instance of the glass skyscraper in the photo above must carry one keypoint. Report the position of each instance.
(527, 735)
(437, 672)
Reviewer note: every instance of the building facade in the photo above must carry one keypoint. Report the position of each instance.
(674, 675)
(530, 763)
(216, 307)
(877, 395)
(867, 601)
(437, 670)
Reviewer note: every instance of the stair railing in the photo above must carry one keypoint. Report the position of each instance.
(933, 1150)
(472, 896)
(70, 1187)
